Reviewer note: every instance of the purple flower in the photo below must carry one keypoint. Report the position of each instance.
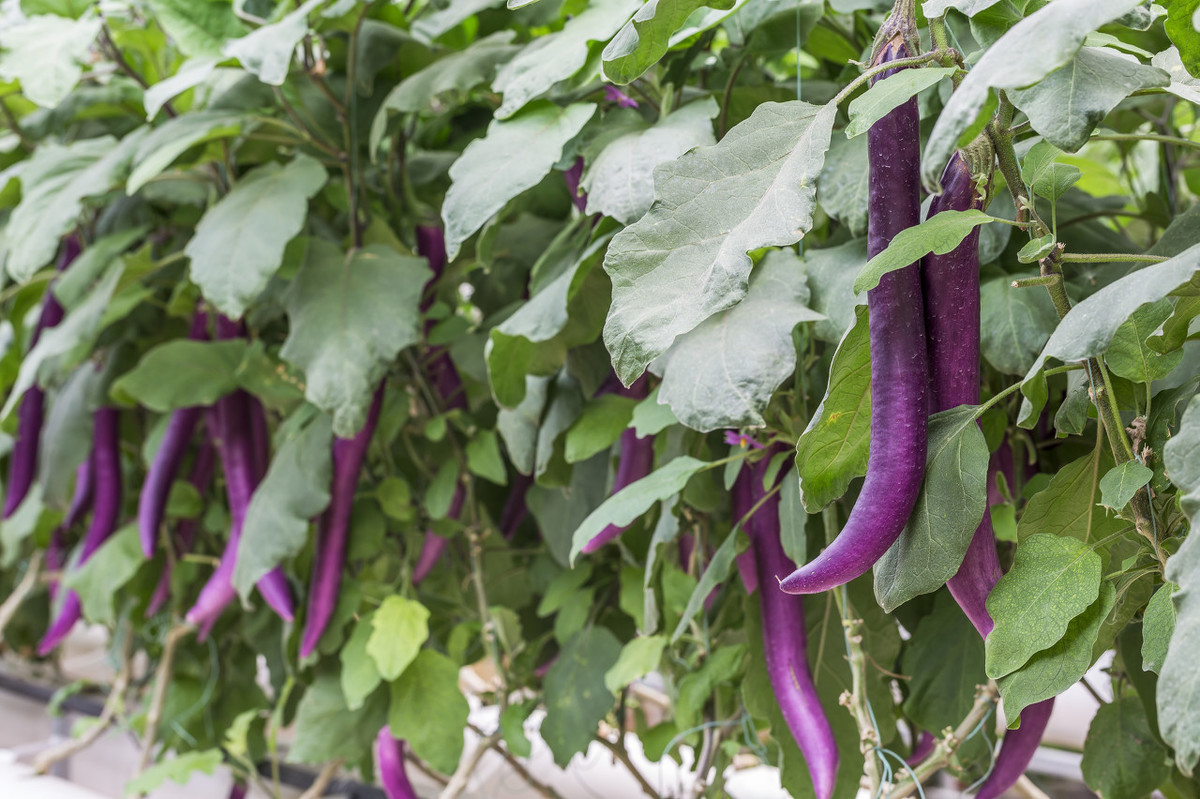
(615, 95)
(736, 439)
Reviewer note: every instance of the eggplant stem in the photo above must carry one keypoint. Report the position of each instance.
(945, 747)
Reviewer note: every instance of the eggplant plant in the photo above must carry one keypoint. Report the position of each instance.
(832, 366)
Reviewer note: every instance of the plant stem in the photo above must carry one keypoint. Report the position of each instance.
(350, 129)
(985, 699)
(15, 126)
(856, 698)
(899, 63)
(458, 781)
(1032, 282)
(20, 591)
(542, 788)
(620, 754)
(1158, 137)
(1110, 257)
(317, 789)
(162, 678)
(485, 616)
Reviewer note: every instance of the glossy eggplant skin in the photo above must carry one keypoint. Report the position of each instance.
(23, 460)
(389, 761)
(203, 468)
(333, 529)
(785, 639)
(899, 361)
(106, 514)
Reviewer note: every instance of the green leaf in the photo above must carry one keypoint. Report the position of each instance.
(484, 458)
(1158, 625)
(945, 659)
(1182, 29)
(67, 435)
(54, 184)
(399, 628)
(1119, 485)
(359, 675)
(174, 137)
(939, 234)
(325, 728)
(599, 426)
(76, 332)
(435, 731)
(1089, 327)
(575, 699)
(1122, 758)
(433, 23)
(1033, 48)
(514, 156)
(723, 373)
(889, 94)
(1178, 696)
(559, 55)
(512, 726)
(1068, 104)
(199, 29)
(1015, 323)
(1129, 355)
(179, 769)
(754, 188)
(619, 181)
(949, 508)
(1183, 84)
(1070, 504)
(638, 658)
(294, 490)
(1052, 671)
(72, 287)
(650, 417)
(183, 373)
(444, 81)
(793, 521)
(266, 52)
(625, 506)
(239, 242)
(697, 687)
(932, 9)
(1044, 175)
(715, 574)
(190, 74)
(351, 314)
(46, 54)
(1052, 581)
(833, 450)
(842, 189)
(646, 37)
(519, 426)
(99, 581)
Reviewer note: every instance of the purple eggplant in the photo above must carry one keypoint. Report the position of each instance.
(185, 535)
(389, 761)
(899, 361)
(635, 462)
(334, 528)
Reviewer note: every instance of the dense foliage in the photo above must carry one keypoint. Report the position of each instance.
(346, 344)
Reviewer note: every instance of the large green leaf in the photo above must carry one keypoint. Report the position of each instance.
(557, 56)
(576, 699)
(939, 234)
(1052, 581)
(1179, 679)
(1158, 626)
(620, 179)
(99, 581)
(199, 27)
(351, 313)
(440, 19)
(646, 37)
(686, 259)
(1088, 329)
(429, 711)
(1070, 504)
(1122, 758)
(159, 149)
(625, 506)
(182, 373)
(514, 156)
(266, 52)
(833, 450)
(1033, 48)
(950, 506)
(1067, 104)
(1052, 671)
(359, 675)
(1129, 354)
(1183, 29)
(46, 54)
(239, 242)
(945, 659)
(1015, 323)
(831, 272)
(842, 188)
(326, 728)
(723, 373)
(294, 491)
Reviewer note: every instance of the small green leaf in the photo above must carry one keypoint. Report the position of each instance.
(266, 52)
(179, 769)
(1119, 485)
(890, 93)
(1036, 249)
(512, 727)
(199, 29)
(183, 373)
(99, 581)
(624, 507)
(1070, 504)
(399, 628)
(575, 697)
(650, 417)
(599, 426)
(359, 675)
(939, 234)
(435, 731)
(638, 658)
(1158, 626)
(1130, 354)
(1044, 175)
(646, 37)
(1052, 581)
(484, 458)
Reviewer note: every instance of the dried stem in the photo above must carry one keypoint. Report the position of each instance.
(542, 788)
(458, 782)
(162, 678)
(323, 779)
(20, 592)
(856, 698)
(621, 755)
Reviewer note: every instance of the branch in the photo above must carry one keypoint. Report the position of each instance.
(537, 785)
(620, 754)
(115, 697)
(162, 677)
(317, 789)
(458, 782)
(856, 698)
(939, 758)
(124, 66)
(21, 591)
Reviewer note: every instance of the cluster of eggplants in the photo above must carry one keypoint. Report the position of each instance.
(899, 365)
(952, 323)
(22, 464)
(785, 639)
